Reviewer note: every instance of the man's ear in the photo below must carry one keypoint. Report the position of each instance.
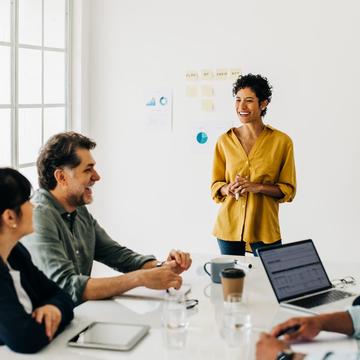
(60, 176)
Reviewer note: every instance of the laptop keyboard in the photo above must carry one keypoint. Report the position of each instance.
(320, 299)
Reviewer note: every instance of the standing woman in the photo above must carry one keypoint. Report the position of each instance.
(33, 309)
(253, 171)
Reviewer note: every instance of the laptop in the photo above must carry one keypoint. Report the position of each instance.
(299, 279)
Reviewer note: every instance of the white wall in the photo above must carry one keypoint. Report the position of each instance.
(154, 192)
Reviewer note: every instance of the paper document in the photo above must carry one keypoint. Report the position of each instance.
(325, 342)
(143, 293)
(143, 300)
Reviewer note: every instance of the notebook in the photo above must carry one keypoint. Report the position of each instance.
(299, 279)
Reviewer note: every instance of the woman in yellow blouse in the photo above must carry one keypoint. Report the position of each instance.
(253, 171)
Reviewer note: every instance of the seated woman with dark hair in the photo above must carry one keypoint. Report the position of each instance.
(33, 309)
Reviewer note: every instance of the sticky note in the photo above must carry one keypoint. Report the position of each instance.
(207, 91)
(191, 91)
(222, 74)
(234, 73)
(207, 105)
(192, 75)
(206, 74)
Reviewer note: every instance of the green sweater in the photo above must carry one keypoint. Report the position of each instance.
(65, 245)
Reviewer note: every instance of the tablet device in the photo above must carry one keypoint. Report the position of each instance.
(109, 336)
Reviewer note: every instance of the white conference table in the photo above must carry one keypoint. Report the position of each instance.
(204, 340)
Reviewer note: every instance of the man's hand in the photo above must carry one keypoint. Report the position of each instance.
(182, 259)
(268, 347)
(161, 278)
(50, 315)
(309, 328)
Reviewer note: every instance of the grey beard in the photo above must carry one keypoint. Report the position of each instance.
(76, 201)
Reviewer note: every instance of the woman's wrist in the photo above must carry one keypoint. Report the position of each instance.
(224, 190)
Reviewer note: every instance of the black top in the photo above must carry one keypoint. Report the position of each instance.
(18, 330)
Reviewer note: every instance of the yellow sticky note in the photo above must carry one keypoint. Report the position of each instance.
(191, 91)
(207, 91)
(192, 75)
(206, 74)
(207, 105)
(222, 74)
(235, 73)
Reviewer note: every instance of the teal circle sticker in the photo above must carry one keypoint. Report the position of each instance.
(201, 138)
(163, 100)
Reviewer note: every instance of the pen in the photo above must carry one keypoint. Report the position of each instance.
(243, 264)
(289, 330)
(237, 196)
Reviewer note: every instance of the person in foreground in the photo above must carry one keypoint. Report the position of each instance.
(345, 322)
(67, 239)
(33, 309)
(253, 171)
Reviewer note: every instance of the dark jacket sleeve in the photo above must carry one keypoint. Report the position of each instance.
(48, 291)
(18, 330)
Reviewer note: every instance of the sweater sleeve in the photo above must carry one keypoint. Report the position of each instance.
(118, 257)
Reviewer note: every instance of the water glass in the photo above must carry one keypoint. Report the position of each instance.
(174, 320)
(236, 329)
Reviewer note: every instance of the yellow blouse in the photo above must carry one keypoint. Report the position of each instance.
(254, 217)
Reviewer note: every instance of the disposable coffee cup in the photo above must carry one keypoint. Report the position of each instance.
(232, 281)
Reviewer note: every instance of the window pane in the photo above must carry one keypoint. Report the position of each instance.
(5, 137)
(54, 77)
(30, 22)
(54, 122)
(31, 174)
(5, 20)
(29, 135)
(5, 73)
(29, 76)
(54, 23)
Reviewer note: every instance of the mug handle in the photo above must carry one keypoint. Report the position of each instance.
(205, 269)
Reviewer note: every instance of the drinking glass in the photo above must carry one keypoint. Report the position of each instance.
(174, 321)
(236, 329)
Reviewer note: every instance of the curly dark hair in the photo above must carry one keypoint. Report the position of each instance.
(58, 152)
(15, 190)
(258, 84)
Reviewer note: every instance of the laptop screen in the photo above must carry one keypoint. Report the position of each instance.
(294, 269)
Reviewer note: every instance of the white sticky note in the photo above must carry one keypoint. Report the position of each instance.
(207, 91)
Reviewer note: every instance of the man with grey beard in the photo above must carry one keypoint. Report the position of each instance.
(67, 239)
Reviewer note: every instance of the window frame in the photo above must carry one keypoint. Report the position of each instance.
(14, 78)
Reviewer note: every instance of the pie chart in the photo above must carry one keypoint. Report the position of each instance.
(201, 137)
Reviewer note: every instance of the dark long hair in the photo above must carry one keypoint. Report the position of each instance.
(15, 190)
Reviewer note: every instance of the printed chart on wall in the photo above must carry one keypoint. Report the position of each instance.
(158, 110)
(209, 100)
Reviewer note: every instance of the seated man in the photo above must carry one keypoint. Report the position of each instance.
(67, 238)
(346, 322)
